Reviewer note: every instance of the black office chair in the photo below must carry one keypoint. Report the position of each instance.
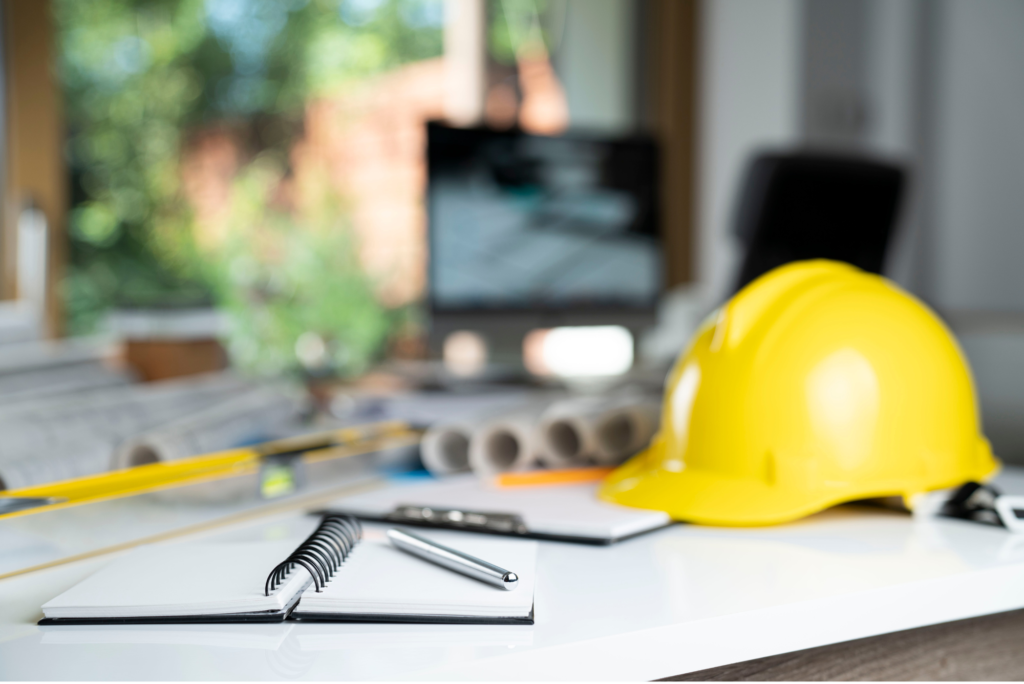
(812, 205)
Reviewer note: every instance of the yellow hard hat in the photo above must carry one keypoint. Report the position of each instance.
(816, 384)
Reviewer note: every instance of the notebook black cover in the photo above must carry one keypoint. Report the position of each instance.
(296, 616)
(299, 616)
(268, 616)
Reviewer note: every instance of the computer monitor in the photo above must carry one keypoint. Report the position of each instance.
(530, 231)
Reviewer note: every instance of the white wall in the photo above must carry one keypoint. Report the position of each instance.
(595, 60)
(997, 360)
(896, 91)
(749, 100)
(979, 139)
(891, 49)
(834, 107)
(975, 238)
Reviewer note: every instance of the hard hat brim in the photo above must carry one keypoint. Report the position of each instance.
(708, 498)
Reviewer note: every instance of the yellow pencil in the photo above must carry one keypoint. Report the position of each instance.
(222, 464)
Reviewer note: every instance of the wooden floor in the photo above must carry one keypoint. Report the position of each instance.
(980, 649)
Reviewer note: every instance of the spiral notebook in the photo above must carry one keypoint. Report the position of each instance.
(338, 574)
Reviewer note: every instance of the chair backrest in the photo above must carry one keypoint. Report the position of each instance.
(812, 205)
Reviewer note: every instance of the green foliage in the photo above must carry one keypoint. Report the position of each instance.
(139, 76)
(126, 97)
(513, 24)
(280, 275)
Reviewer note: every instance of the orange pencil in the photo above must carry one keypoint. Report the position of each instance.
(541, 478)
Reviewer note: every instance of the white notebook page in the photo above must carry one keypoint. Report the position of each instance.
(180, 580)
(378, 579)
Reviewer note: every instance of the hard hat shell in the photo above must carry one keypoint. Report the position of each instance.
(816, 384)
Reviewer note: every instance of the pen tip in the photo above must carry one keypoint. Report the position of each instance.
(511, 580)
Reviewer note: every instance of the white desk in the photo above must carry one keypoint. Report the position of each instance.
(681, 599)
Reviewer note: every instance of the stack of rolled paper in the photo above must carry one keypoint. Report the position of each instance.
(571, 432)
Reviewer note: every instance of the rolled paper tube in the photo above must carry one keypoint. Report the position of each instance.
(445, 448)
(507, 442)
(601, 430)
(257, 415)
(622, 432)
(65, 436)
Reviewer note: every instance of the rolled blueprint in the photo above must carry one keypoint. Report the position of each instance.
(602, 430)
(445, 447)
(59, 438)
(258, 415)
(59, 381)
(54, 369)
(508, 441)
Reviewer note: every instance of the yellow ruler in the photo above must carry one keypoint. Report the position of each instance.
(310, 448)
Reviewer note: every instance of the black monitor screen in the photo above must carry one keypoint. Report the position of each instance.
(527, 222)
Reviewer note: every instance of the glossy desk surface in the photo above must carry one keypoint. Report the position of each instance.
(681, 599)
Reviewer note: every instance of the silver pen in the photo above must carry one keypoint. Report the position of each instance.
(453, 560)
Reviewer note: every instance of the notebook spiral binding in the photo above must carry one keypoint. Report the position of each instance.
(322, 553)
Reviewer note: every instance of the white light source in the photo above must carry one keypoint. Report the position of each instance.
(465, 353)
(585, 351)
(311, 349)
(32, 257)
